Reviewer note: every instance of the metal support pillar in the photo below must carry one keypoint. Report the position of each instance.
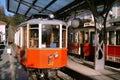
(100, 24)
(99, 46)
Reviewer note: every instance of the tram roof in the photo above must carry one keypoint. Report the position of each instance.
(58, 7)
(43, 21)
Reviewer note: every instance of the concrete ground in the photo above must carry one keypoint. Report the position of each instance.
(79, 66)
(10, 69)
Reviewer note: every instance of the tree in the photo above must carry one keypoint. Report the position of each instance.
(2, 15)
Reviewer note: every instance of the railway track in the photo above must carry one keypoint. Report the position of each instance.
(59, 76)
(68, 74)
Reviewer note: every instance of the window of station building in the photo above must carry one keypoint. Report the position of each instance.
(118, 37)
(50, 36)
(33, 36)
(111, 37)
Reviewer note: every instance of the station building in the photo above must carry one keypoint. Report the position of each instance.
(3, 31)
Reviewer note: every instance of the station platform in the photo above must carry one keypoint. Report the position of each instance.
(106, 74)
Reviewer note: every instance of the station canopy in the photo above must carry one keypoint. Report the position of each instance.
(57, 7)
(29, 7)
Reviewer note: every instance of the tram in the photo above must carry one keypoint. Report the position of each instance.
(41, 44)
(82, 43)
(113, 44)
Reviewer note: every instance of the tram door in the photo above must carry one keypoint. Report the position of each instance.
(88, 46)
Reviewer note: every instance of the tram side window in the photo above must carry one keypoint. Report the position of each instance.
(111, 37)
(92, 38)
(33, 36)
(64, 36)
(75, 39)
(118, 38)
(86, 37)
(24, 37)
(70, 38)
(50, 36)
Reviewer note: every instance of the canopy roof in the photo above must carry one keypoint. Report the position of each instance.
(58, 7)
(29, 7)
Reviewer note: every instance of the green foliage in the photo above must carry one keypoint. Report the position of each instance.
(18, 19)
(11, 20)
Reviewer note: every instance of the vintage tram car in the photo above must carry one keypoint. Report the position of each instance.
(113, 44)
(41, 44)
(82, 42)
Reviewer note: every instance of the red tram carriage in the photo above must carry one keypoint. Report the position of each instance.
(82, 42)
(113, 44)
(42, 44)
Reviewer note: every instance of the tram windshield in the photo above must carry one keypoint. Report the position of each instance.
(47, 36)
(51, 36)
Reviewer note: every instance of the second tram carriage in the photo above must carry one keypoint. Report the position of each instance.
(113, 44)
(41, 44)
(82, 42)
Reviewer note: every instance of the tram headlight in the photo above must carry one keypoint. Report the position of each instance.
(51, 16)
(56, 55)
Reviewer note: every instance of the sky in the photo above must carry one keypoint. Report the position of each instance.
(3, 3)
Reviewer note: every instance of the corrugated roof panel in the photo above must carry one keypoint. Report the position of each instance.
(42, 3)
(37, 8)
(29, 7)
(29, 1)
(32, 11)
(22, 9)
(13, 5)
(59, 4)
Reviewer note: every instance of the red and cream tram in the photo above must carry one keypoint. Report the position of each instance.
(42, 44)
(113, 44)
(81, 41)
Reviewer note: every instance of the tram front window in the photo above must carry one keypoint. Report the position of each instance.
(50, 36)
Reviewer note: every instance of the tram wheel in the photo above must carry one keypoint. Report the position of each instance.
(31, 75)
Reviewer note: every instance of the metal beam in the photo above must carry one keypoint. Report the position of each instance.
(18, 7)
(38, 8)
(79, 6)
(52, 2)
(30, 7)
(8, 4)
(69, 6)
